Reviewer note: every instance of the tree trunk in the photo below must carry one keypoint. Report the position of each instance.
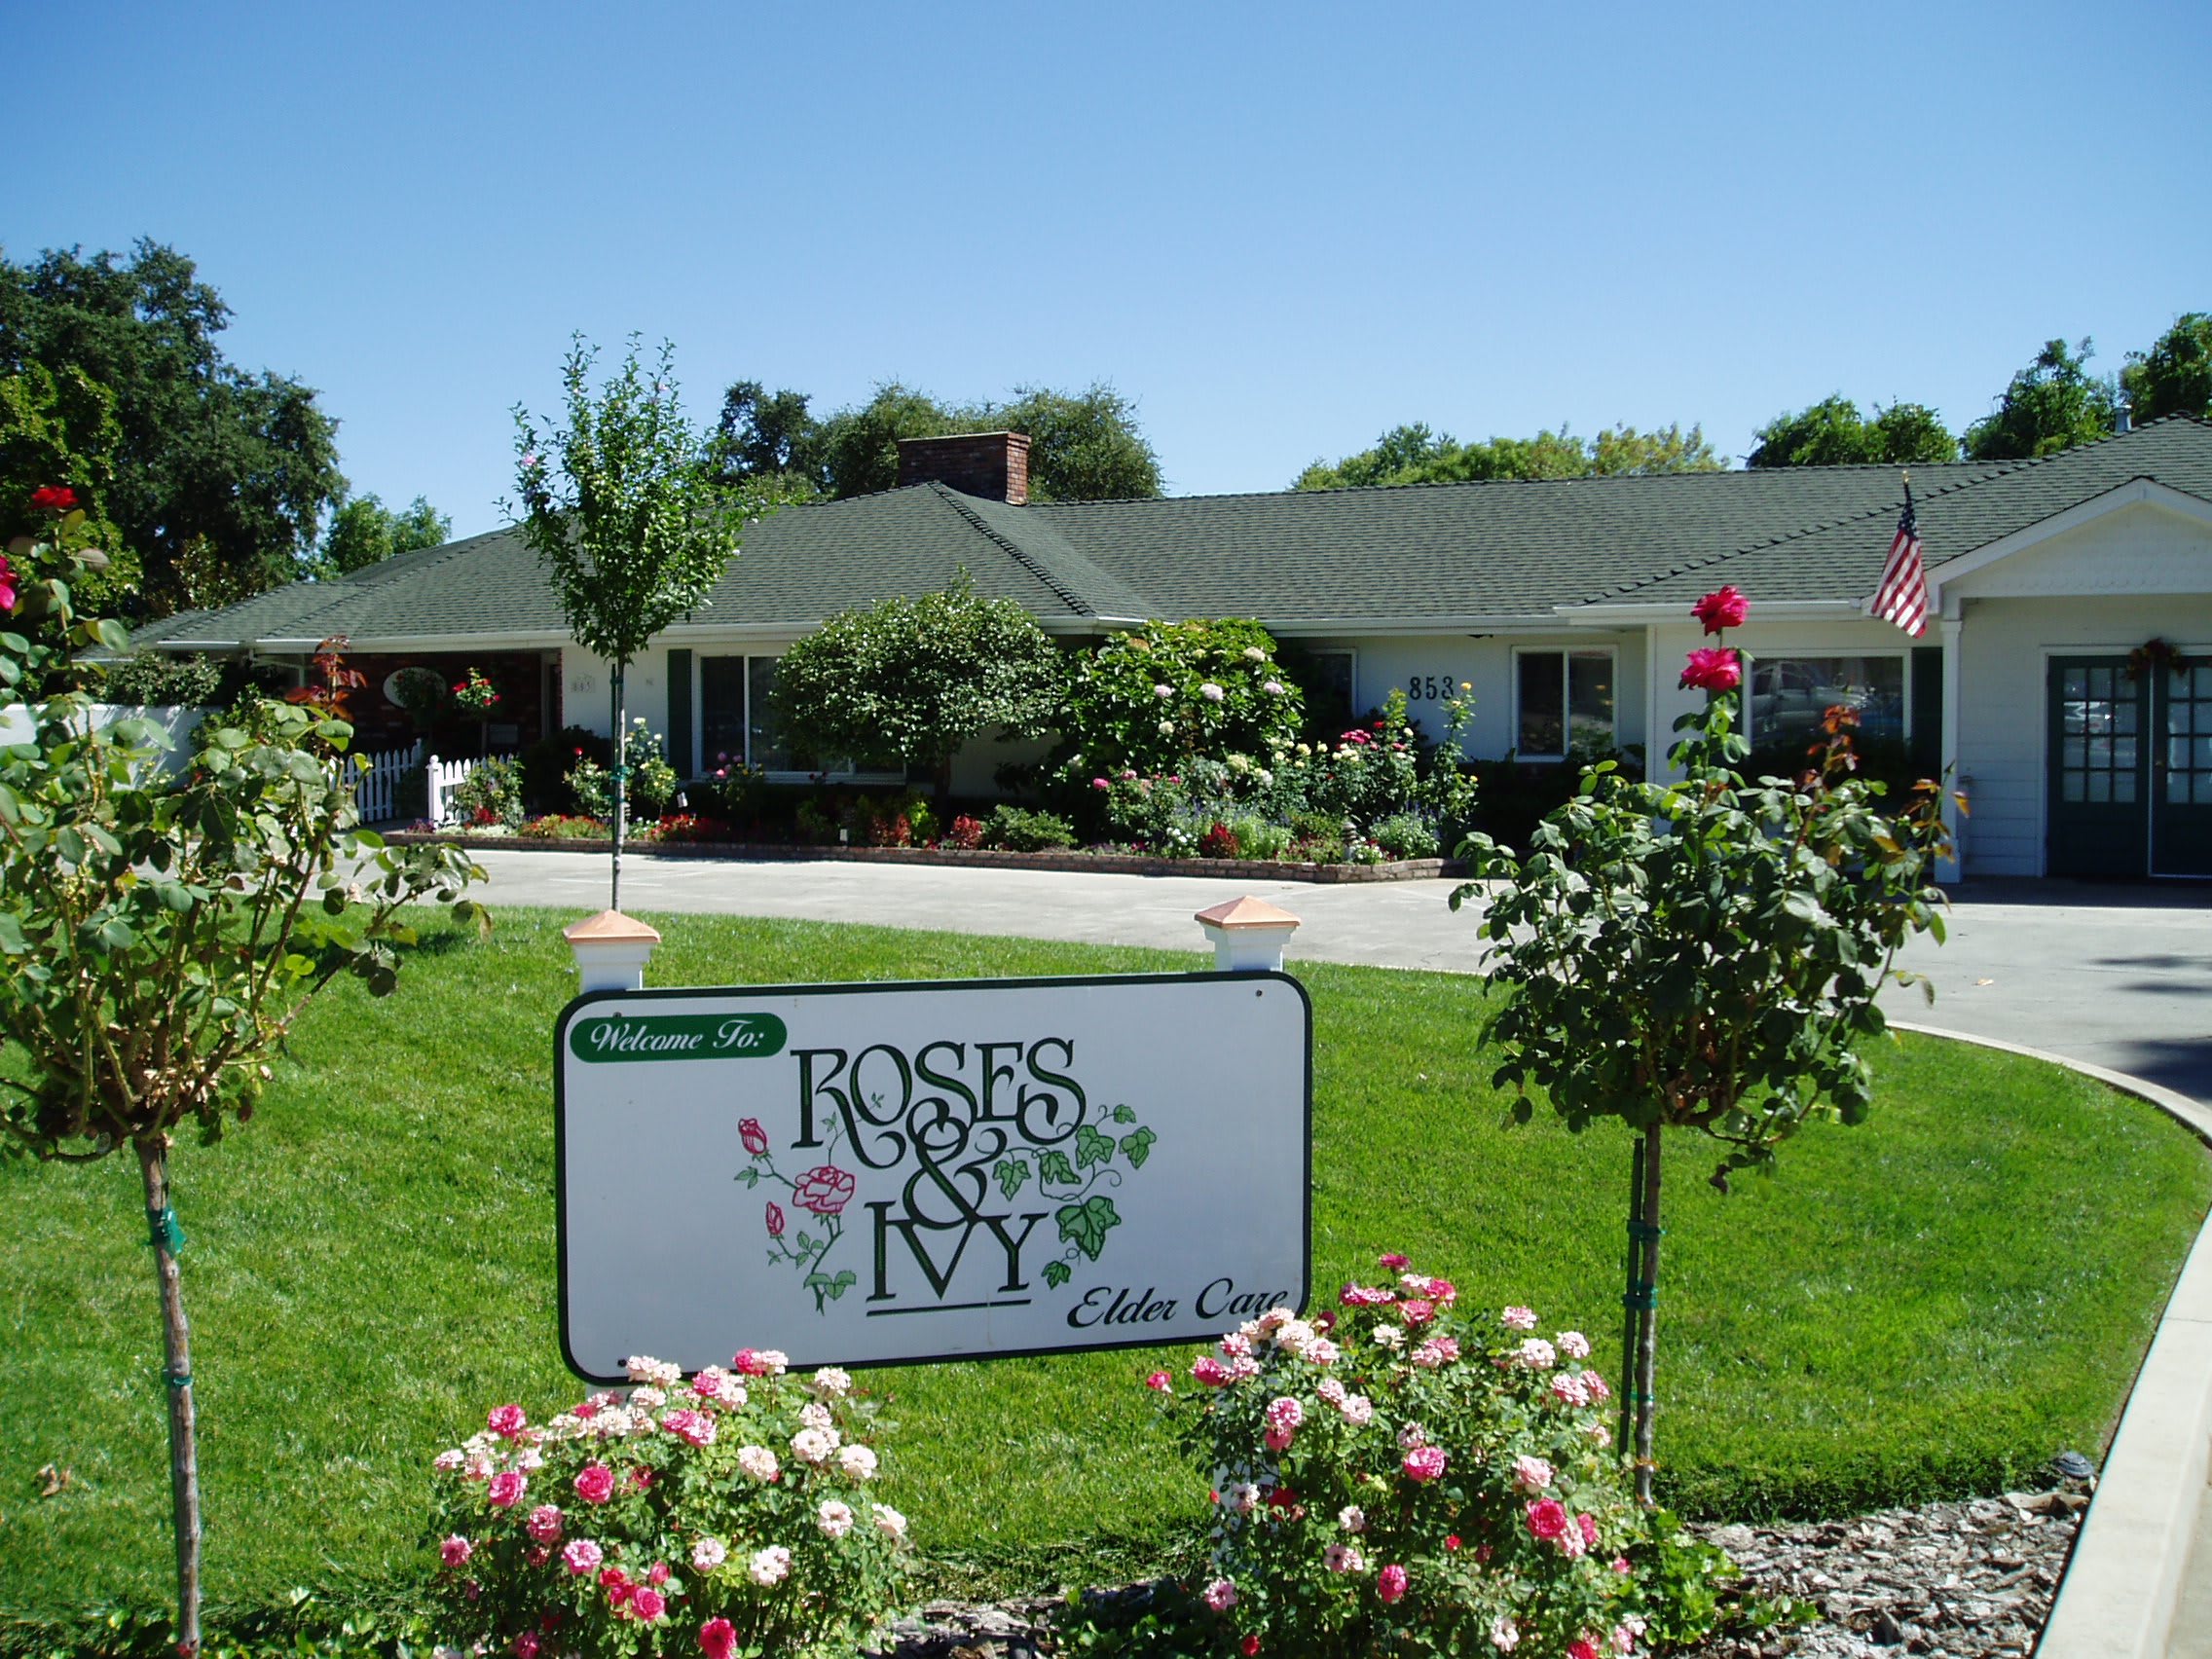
(1648, 1333)
(621, 783)
(177, 1375)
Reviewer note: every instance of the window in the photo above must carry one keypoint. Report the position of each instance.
(736, 716)
(1563, 703)
(1325, 676)
(1790, 696)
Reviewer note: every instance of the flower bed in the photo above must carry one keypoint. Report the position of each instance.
(1102, 863)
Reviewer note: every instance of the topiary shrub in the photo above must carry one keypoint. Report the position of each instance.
(1022, 831)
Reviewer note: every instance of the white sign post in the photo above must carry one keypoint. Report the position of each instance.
(865, 1174)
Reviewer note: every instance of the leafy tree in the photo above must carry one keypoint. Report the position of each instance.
(219, 471)
(1703, 955)
(628, 521)
(364, 531)
(1832, 432)
(1084, 447)
(60, 429)
(911, 680)
(1415, 454)
(162, 939)
(2175, 376)
(2053, 404)
(766, 435)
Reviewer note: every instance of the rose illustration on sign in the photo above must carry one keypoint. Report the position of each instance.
(1052, 1147)
(823, 1191)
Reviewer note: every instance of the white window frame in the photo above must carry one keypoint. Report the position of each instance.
(1567, 719)
(1900, 655)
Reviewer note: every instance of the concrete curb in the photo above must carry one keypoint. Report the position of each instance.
(2123, 1586)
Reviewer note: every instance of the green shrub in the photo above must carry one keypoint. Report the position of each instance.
(1024, 832)
(1256, 839)
(1154, 698)
(491, 795)
(731, 790)
(154, 677)
(546, 763)
(1406, 835)
(653, 780)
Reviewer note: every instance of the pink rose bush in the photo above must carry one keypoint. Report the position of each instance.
(1403, 1475)
(662, 1520)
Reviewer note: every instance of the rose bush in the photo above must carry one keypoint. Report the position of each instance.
(1396, 1477)
(1153, 697)
(730, 1514)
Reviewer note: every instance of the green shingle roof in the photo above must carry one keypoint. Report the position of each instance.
(1345, 558)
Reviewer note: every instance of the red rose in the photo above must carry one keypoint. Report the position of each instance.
(7, 584)
(775, 1219)
(1547, 1518)
(649, 1605)
(825, 1190)
(1451, 1540)
(1582, 1649)
(1249, 1645)
(53, 498)
(596, 1485)
(754, 1137)
(718, 1639)
(1725, 608)
(1712, 670)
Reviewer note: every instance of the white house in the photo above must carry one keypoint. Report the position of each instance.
(2065, 678)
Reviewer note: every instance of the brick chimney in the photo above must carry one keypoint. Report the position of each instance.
(992, 464)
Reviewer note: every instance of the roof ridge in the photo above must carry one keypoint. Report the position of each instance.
(1020, 556)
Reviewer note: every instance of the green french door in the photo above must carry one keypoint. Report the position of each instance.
(2129, 770)
(2181, 808)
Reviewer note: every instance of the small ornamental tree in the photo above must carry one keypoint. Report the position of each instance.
(909, 681)
(1156, 696)
(619, 507)
(1704, 954)
(159, 938)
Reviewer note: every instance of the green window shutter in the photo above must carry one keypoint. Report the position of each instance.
(1927, 738)
(680, 713)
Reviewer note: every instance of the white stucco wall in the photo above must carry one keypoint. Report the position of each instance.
(1383, 661)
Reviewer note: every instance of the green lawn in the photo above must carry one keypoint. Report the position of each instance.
(1932, 1303)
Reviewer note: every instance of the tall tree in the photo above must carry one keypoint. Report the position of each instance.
(364, 531)
(2175, 376)
(1083, 445)
(1832, 432)
(1415, 454)
(2053, 404)
(766, 435)
(622, 510)
(59, 430)
(219, 469)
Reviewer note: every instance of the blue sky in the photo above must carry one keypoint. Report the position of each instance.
(1279, 229)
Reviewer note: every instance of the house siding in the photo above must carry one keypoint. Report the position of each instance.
(1386, 662)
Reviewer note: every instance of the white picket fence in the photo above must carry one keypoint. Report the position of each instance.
(376, 790)
(445, 778)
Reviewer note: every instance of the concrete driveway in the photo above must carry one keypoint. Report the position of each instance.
(2120, 976)
(2111, 974)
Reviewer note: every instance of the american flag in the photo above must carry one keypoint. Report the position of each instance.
(1902, 596)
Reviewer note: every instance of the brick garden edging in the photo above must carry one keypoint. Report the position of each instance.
(1102, 863)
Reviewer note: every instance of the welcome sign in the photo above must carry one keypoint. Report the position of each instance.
(863, 1174)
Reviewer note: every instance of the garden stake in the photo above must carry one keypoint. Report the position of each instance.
(167, 1239)
(1628, 1295)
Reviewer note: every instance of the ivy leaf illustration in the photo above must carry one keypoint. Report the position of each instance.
(1136, 1147)
(1055, 1273)
(1054, 1165)
(804, 1243)
(1084, 1225)
(1125, 1115)
(749, 1176)
(1092, 1147)
(1011, 1174)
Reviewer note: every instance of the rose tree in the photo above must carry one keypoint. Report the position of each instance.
(160, 938)
(621, 511)
(1705, 954)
